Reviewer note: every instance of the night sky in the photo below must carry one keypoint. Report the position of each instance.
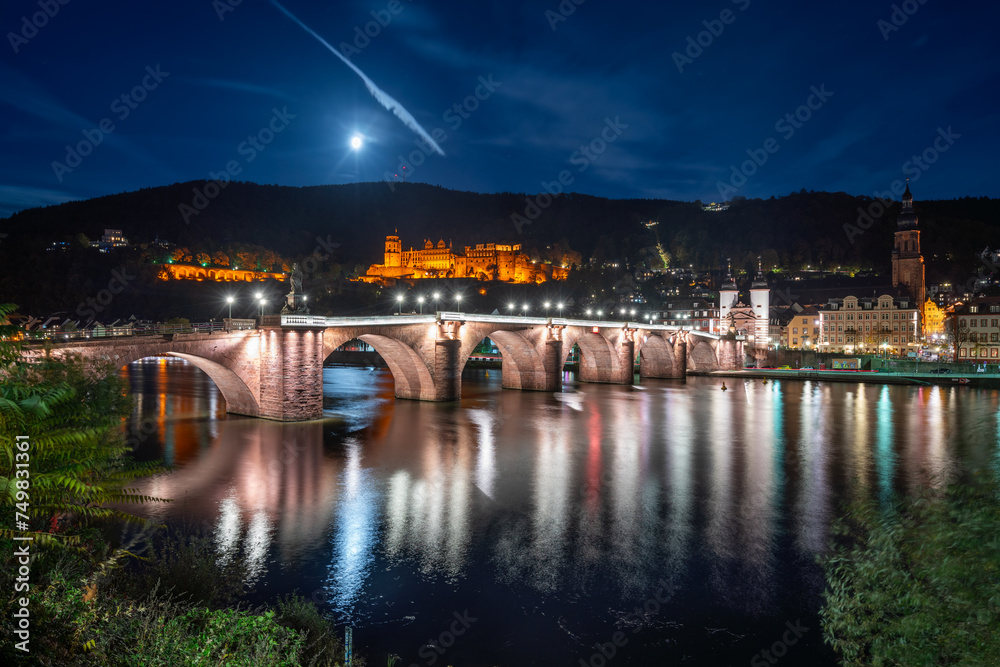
(675, 117)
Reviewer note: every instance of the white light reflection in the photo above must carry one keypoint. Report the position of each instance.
(812, 506)
(228, 528)
(553, 472)
(355, 536)
(485, 454)
(679, 436)
(257, 543)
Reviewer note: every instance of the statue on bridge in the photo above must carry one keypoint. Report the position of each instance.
(295, 301)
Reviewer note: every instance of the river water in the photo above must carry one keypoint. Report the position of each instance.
(634, 525)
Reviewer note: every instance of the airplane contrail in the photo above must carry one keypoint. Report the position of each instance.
(383, 98)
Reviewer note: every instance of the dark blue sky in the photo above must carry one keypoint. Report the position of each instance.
(886, 91)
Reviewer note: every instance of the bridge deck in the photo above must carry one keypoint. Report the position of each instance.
(448, 316)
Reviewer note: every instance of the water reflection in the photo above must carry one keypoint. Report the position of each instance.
(580, 502)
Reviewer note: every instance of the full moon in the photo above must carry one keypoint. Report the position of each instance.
(356, 142)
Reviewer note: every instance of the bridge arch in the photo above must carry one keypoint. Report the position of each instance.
(657, 358)
(702, 355)
(239, 397)
(600, 358)
(402, 354)
(522, 367)
(410, 373)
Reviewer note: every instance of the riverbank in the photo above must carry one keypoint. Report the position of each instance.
(982, 380)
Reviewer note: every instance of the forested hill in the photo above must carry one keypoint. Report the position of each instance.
(801, 228)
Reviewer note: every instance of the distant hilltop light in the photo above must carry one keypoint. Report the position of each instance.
(716, 207)
(651, 223)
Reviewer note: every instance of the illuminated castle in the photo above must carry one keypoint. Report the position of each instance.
(485, 261)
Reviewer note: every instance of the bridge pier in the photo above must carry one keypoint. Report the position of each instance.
(552, 361)
(447, 369)
(291, 373)
(730, 353)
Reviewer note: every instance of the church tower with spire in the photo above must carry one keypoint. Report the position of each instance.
(907, 262)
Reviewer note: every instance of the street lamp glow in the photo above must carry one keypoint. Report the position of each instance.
(356, 142)
(230, 300)
(399, 301)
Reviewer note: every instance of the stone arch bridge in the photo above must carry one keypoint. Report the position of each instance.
(276, 370)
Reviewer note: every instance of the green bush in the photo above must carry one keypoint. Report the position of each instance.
(919, 585)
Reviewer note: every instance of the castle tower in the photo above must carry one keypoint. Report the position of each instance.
(760, 301)
(729, 295)
(907, 262)
(393, 251)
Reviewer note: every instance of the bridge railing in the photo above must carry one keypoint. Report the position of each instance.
(100, 333)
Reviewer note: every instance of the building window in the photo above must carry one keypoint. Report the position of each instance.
(982, 323)
(795, 330)
(994, 351)
(961, 352)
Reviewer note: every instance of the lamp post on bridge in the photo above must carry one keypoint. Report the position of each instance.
(420, 300)
(458, 301)
(399, 304)
(230, 300)
(262, 302)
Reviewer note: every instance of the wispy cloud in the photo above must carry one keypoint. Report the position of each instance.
(237, 86)
(14, 198)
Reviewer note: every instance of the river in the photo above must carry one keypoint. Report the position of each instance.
(623, 525)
